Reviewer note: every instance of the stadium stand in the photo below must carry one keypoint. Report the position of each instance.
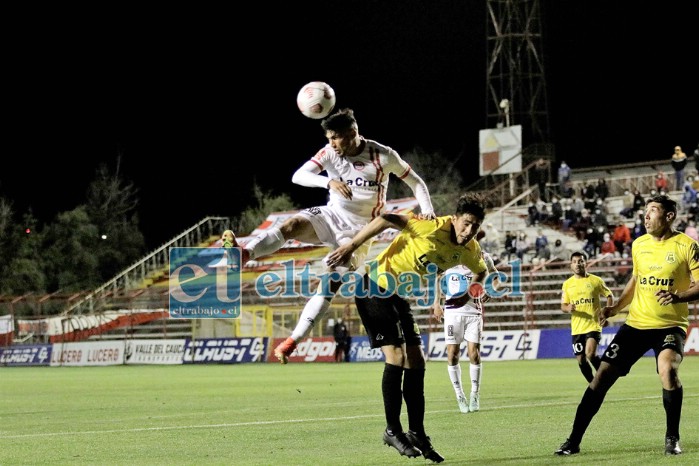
(143, 287)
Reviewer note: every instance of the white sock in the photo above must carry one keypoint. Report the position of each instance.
(455, 377)
(266, 243)
(475, 371)
(315, 309)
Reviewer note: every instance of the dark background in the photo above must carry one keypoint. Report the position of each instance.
(199, 102)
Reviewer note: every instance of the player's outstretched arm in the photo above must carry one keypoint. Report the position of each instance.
(422, 195)
(371, 229)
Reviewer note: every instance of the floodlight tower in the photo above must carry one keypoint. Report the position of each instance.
(515, 79)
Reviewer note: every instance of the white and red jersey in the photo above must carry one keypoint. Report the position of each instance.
(458, 279)
(367, 175)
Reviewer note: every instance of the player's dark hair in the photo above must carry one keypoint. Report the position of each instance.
(669, 204)
(471, 203)
(580, 254)
(340, 121)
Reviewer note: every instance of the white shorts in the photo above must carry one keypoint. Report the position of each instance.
(333, 231)
(459, 327)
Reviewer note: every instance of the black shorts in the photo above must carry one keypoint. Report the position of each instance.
(580, 341)
(629, 344)
(389, 320)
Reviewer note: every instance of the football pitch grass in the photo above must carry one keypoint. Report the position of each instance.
(325, 414)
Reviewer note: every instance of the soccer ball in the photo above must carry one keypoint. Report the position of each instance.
(316, 100)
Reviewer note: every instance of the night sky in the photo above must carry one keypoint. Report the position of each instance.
(198, 102)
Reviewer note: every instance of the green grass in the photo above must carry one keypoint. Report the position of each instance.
(321, 414)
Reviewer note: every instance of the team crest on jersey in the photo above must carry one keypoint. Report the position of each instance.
(358, 165)
(670, 258)
(455, 257)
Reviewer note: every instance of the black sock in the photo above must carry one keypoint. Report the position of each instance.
(414, 395)
(672, 402)
(586, 371)
(588, 407)
(392, 396)
(595, 361)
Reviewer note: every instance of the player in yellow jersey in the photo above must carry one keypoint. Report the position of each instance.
(581, 299)
(423, 248)
(665, 278)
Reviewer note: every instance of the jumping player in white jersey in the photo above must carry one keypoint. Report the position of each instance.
(357, 173)
(463, 321)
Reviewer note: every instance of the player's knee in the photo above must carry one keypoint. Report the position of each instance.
(292, 227)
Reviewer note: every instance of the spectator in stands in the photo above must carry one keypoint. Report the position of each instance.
(696, 158)
(542, 257)
(661, 181)
(567, 191)
(570, 218)
(386, 313)
(602, 189)
(341, 335)
(599, 218)
(462, 322)
(691, 230)
(510, 245)
(639, 229)
(602, 205)
(522, 245)
(581, 299)
(556, 211)
(540, 242)
(582, 225)
(563, 176)
(349, 208)
(558, 252)
(638, 201)
(532, 215)
(689, 194)
(627, 208)
(578, 206)
(681, 224)
(695, 181)
(541, 177)
(657, 321)
(679, 161)
(596, 237)
(589, 196)
(607, 248)
(492, 241)
(693, 211)
(621, 236)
